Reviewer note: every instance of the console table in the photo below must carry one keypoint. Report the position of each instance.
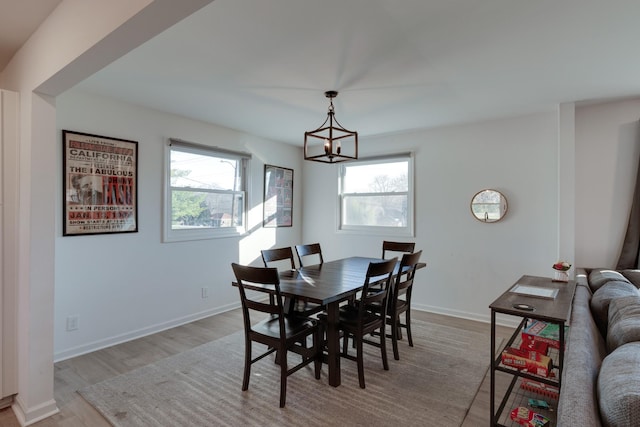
(552, 310)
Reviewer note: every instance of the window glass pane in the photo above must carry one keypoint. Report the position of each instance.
(376, 178)
(200, 171)
(193, 209)
(379, 211)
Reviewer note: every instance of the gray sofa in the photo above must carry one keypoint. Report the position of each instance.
(601, 377)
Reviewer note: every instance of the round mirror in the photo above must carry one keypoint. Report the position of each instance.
(489, 206)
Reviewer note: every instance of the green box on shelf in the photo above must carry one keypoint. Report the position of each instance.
(539, 331)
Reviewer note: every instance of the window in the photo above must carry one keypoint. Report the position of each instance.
(206, 192)
(376, 195)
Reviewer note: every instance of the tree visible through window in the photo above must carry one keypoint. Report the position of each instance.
(377, 194)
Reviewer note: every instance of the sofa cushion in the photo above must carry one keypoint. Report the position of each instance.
(633, 276)
(618, 391)
(599, 276)
(602, 298)
(624, 321)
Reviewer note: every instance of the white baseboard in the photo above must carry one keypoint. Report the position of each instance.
(508, 321)
(27, 416)
(139, 333)
(6, 401)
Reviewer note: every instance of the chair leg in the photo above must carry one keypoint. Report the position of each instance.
(383, 348)
(345, 343)
(395, 328)
(317, 346)
(360, 360)
(283, 378)
(407, 318)
(247, 365)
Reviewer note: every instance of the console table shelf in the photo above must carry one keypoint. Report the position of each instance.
(551, 310)
(519, 397)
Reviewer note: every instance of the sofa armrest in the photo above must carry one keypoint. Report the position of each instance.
(582, 277)
(578, 403)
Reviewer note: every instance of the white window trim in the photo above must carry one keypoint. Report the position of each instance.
(170, 235)
(375, 230)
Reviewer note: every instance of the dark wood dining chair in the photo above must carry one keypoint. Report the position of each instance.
(400, 300)
(308, 250)
(359, 319)
(403, 247)
(279, 257)
(279, 332)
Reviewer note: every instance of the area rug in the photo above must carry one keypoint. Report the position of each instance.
(433, 384)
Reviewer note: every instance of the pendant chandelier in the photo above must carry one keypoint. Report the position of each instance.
(330, 143)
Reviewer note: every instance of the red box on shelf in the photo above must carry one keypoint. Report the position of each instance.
(519, 359)
(534, 348)
(539, 388)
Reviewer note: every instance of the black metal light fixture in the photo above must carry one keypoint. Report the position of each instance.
(330, 143)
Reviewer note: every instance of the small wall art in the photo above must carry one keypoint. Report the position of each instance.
(278, 196)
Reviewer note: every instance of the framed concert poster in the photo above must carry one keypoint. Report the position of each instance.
(100, 184)
(278, 196)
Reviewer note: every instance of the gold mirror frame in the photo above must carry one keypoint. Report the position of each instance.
(489, 205)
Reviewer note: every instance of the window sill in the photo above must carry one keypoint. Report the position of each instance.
(377, 231)
(187, 235)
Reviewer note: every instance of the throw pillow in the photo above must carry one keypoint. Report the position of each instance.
(624, 321)
(618, 391)
(603, 296)
(599, 276)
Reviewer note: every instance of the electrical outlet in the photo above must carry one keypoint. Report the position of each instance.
(72, 323)
(205, 292)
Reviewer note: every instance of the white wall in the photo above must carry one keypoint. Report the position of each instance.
(469, 263)
(126, 285)
(607, 153)
(9, 135)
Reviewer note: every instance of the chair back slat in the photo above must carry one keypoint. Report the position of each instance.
(388, 246)
(261, 307)
(270, 256)
(308, 250)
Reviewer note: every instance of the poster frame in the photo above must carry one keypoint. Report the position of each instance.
(100, 184)
(278, 197)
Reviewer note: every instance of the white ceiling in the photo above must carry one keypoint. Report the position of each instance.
(262, 66)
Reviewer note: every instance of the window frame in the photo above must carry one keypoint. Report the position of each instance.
(408, 230)
(181, 235)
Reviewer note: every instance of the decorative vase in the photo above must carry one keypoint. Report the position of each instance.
(560, 276)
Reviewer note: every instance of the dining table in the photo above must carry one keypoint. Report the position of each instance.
(329, 284)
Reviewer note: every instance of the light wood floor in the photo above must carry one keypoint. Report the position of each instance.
(74, 374)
